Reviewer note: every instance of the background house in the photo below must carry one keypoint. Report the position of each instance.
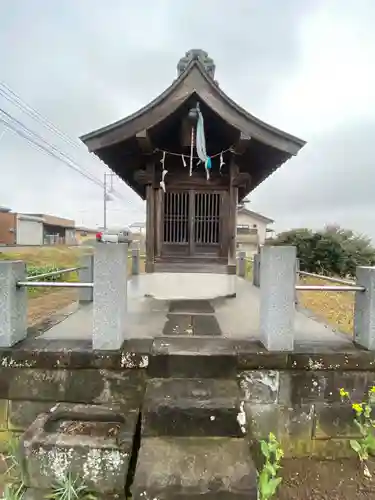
(35, 229)
(251, 230)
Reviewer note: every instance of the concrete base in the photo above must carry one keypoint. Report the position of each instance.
(189, 286)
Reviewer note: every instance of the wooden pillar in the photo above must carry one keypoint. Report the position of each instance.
(232, 219)
(150, 221)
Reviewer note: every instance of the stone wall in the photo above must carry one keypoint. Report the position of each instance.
(303, 407)
(32, 383)
(294, 395)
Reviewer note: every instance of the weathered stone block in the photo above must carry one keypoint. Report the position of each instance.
(296, 430)
(331, 449)
(341, 357)
(335, 421)
(105, 386)
(191, 407)
(38, 385)
(291, 425)
(180, 357)
(77, 386)
(261, 420)
(356, 383)
(304, 387)
(194, 468)
(259, 386)
(256, 359)
(92, 442)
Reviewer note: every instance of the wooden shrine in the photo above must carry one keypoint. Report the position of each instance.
(192, 154)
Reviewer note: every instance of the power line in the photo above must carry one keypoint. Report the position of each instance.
(14, 98)
(45, 146)
(31, 137)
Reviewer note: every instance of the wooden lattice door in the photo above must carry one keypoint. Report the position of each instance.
(192, 223)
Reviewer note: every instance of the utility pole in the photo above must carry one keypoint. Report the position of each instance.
(105, 203)
(106, 196)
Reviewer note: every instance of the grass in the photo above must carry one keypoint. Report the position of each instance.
(335, 308)
(60, 257)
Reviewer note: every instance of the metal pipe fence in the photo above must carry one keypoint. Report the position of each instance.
(275, 271)
(55, 284)
(329, 288)
(326, 278)
(102, 281)
(54, 273)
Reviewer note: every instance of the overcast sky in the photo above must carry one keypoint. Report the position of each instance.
(304, 66)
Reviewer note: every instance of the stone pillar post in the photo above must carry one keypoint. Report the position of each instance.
(241, 263)
(297, 281)
(135, 260)
(110, 295)
(256, 270)
(364, 309)
(13, 303)
(277, 295)
(86, 275)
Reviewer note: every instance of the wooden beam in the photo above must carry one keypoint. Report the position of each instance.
(242, 143)
(143, 177)
(144, 142)
(241, 179)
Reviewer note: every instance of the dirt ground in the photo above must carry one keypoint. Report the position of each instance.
(309, 479)
(42, 307)
(335, 308)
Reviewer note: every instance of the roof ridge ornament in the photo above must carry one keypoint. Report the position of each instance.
(197, 55)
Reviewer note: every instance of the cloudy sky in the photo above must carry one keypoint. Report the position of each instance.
(304, 66)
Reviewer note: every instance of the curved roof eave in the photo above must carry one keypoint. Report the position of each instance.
(180, 90)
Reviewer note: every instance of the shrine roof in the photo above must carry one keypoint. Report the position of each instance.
(127, 144)
(194, 79)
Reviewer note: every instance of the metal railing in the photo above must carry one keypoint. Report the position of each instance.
(111, 268)
(326, 278)
(330, 288)
(29, 281)
(343, 285)
(62, 284)
(54, 273)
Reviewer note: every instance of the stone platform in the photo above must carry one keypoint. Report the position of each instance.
(234, 318)
(196, 386)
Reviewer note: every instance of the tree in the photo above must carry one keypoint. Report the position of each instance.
(331, 251)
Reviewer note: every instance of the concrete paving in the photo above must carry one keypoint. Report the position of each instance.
(237, 317)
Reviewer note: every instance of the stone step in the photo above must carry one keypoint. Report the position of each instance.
(192, 407)
(194, 468)
(193, 357)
